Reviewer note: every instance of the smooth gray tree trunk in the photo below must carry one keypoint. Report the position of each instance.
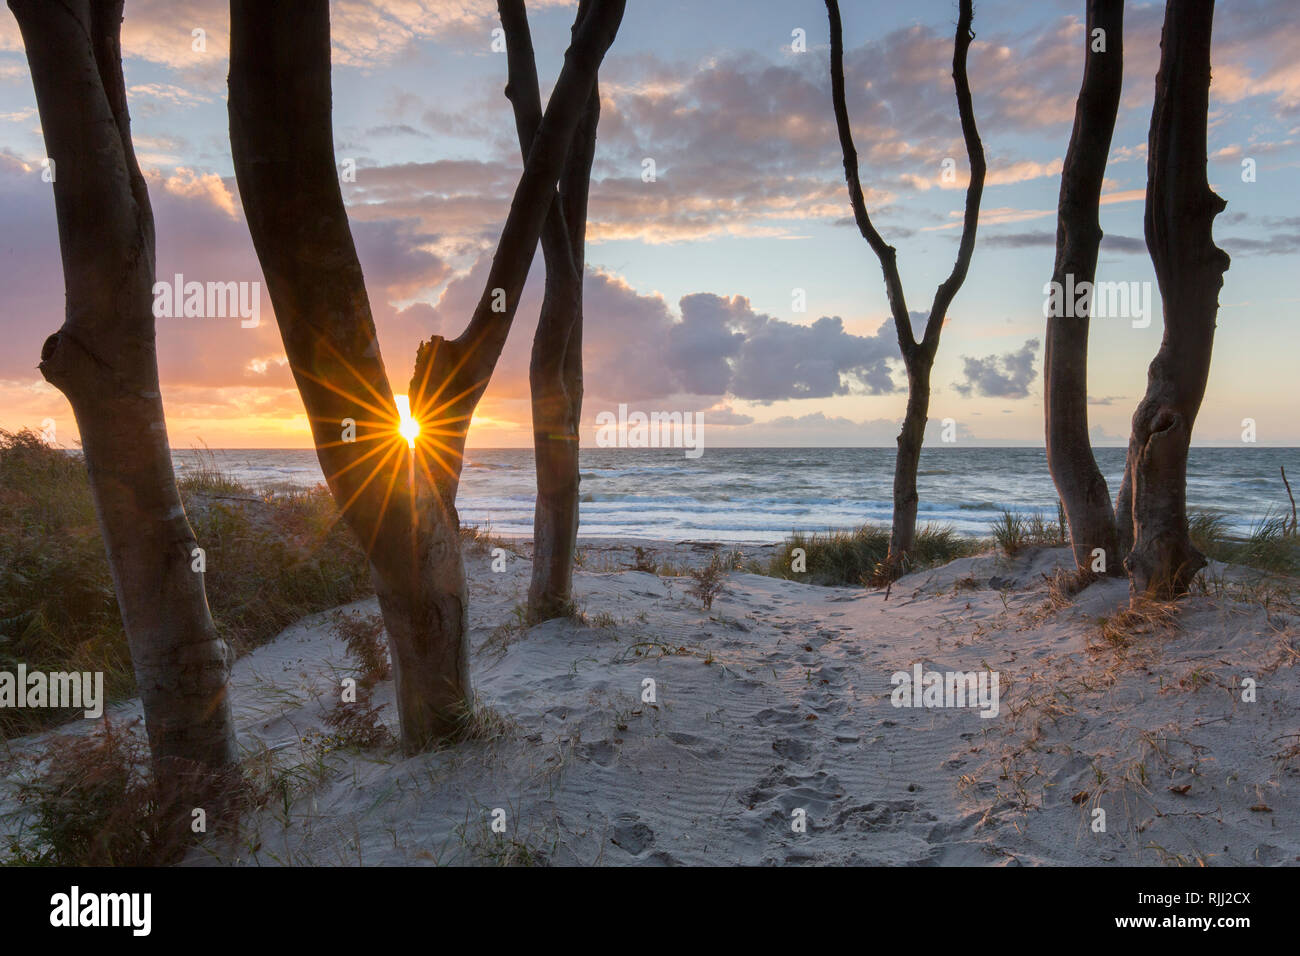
(1179, 223)
(104, 360)
(555, 371)
(1079, 481)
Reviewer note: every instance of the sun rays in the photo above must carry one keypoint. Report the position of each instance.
(421, 434)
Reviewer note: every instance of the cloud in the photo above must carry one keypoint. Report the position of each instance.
(211, 369)
(363, 32)
(1283, 243)
(1000, 376)
(999, 174)
(1042, 237)
(208, 187)
(636, 349)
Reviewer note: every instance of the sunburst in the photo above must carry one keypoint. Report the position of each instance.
(426, 428)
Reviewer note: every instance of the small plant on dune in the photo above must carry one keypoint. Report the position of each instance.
(479, 539)
(483, 847)
(603, 619)
(1271, 545)
(1010, 533)
(1141, 619)
(358, 724)
(365, 641)
(93, 802)
(483, 724)
(708, 581)
(1014, 532)
(205, 477)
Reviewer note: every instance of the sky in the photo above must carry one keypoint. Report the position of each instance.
(733, 281)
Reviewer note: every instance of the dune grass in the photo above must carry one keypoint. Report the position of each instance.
(272, 557)
(857, 557)
(1013, 532)
(1271, 544)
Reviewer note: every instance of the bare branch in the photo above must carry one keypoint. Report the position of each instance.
(886, 253)
(974, 190)
(487, 329)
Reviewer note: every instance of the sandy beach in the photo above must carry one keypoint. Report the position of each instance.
(778, 700)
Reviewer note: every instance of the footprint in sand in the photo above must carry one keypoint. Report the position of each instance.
(631, 835)
(778, 715)
(601, 752)
(796, 750)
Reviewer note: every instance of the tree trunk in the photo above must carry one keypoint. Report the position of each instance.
(555, 372)
(555, 380)
(104, 360)
(918, 357)
(902, 538)
(1180, 211)
(1079, 481)
(399, 500)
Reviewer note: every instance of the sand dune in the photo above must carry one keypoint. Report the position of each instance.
(778, 700)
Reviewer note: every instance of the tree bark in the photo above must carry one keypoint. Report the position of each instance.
(1179, 223)
(555, 371)
(399, 501)
(1079, 481)
(104, 360)
(918, 357)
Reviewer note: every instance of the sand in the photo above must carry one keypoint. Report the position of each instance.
(772, 738)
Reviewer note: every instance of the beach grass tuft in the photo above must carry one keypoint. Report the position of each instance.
(856, 557)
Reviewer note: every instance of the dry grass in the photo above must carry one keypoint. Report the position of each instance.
(272, 558)
(91, 801)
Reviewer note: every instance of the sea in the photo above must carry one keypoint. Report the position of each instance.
(761, 495)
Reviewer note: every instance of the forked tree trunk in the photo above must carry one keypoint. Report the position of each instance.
(918, 357)
(104, 360)
(555, 372)
(1180, 211)
(1079, 481)
(399, 501)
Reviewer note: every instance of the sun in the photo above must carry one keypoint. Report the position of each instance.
(408, 428)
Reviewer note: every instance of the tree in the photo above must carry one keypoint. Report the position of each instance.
(104, 360)
(398, 496)
(1079, 481)
(918, 357)
(1179, 224)
(555, 370)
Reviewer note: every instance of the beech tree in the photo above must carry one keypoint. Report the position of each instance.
(104, 360)
(1179, 224)
(555, 370)
(918, 357)
(1079, 481)
(395, 477)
